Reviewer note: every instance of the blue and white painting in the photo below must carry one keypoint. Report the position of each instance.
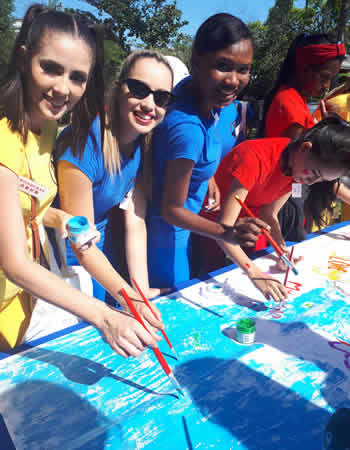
(73, 392)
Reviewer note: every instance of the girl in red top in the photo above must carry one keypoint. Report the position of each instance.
(312, 61)
(260, 172)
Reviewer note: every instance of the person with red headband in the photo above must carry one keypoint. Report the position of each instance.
(312, 61)
(338, 100)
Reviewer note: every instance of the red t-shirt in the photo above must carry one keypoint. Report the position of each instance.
(287, 108)
(256, 165)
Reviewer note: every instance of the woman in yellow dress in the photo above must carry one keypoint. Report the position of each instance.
(55, 67)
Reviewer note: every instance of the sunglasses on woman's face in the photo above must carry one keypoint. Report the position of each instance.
(140, 90)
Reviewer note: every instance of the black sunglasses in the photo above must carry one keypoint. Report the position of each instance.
(140, 90)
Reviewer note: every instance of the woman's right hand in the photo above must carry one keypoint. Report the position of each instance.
(126, 335)
(269, 286)
(245, 231)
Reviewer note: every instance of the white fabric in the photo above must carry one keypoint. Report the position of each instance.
(48, 318)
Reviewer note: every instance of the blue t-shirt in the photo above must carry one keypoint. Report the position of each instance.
(184, 133)
(107, 191)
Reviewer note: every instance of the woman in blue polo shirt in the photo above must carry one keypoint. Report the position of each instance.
(188, 146)
(103, 174)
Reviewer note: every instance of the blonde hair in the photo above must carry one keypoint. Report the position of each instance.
(111, 151)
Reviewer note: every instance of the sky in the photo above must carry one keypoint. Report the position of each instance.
(194, 11)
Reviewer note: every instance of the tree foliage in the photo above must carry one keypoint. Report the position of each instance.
(130, 24)
(160, 23)
(7, 32)
(153, 23)
(283, 24)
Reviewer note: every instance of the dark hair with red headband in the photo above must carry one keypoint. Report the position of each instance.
(318, 54)
(306, 49)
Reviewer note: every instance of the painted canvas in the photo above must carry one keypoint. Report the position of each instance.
(73, 392)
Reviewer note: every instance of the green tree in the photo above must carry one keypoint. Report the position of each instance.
(284, 23)
(181, 48)
(7, 32)
(343, 19)
(160, 23)
(54, 4)
(153, 23)
(131, 24)
(114, 57)
(272, 40)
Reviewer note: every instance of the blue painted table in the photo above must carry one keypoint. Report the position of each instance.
(70, 391)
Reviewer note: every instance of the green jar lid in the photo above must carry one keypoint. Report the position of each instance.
(246, 326)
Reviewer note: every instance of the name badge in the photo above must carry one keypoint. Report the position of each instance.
(32, 188)
(297, 190)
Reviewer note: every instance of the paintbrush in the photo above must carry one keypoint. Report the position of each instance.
(155, 315)
(268, 236)
(156, 350)
(287, 272)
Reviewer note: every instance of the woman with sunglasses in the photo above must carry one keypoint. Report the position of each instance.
(56, 66)
(188, 146)
(115, 171)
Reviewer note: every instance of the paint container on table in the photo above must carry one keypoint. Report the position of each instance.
(211, 291)
(214, 289)
(79, 231)
(245, 331)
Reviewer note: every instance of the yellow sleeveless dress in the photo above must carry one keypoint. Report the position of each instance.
(16, 305)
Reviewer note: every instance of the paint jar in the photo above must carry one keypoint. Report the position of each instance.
(214, 289)
(79, 231)
(245, 331)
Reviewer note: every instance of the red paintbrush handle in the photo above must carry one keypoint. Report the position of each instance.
(272, 242)
(132, 308)
(288, 268)
(144, 298)
(264, 232)
(153, 312)
(137, 316)
(162, 360)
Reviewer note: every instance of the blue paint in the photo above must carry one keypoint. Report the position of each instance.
(117, 403)
(78, 224)
(74, 392)
(79, 230)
